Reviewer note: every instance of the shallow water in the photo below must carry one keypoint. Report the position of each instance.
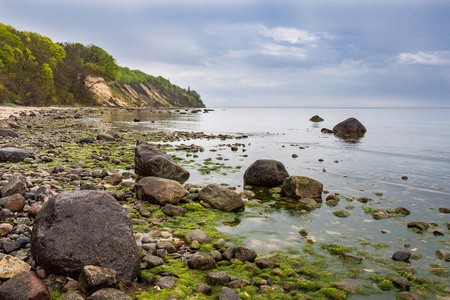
(399, 142)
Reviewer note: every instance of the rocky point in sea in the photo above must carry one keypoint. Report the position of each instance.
(88, 168)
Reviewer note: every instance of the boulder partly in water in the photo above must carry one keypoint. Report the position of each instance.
(266, 173)
(350, 128)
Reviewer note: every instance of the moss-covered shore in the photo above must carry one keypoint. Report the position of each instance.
(67, 156)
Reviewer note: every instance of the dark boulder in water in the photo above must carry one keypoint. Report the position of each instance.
(221, 198)
(401, 255)
(316, 118)
(266, 173)
(150, 161)
(350, 128)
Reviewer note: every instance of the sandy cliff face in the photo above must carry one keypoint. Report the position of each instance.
(126, 95)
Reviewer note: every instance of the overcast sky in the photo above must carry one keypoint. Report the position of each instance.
(265, 53)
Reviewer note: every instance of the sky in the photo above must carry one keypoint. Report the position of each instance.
(266, 53)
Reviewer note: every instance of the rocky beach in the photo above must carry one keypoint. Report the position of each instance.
(90, 212)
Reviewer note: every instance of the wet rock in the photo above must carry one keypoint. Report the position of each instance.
(14, 155)
(201, 261)
(197, 235)
(217, 278)
(152, 261)
(11, 266)
(407, 296)
(402, 283)
(150, 161)
(341, 213)
(173, 210)
(444, 210)
(349, 128)
(80, 228)
(401, 255)
(444, 254)
(15, 203)
(5, 132)
(351, 257)
(301, 187)
(348, 286)
(402, 211)
(228, 294)
(159, 190)
(266, 173)
(17, 185)
(316, 119)
(203, 288)
(109, 294)
(166, 282)
(25, 285)
(240, 252)
(308, 202)
(221, 198)
(326, 130)
(419, 225)
(93, 278)
(265, 263)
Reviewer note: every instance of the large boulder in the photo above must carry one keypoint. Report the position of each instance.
(265, 172)
(159, 190)
(349, 128)
(79, 228)
(150, 161)
(8, 132)
(13, 154)
(221, 198)
(301, 187)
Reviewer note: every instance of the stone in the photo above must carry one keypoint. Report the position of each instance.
(9, 247)
(216, 255)
(326, 130)
(152, 261)
(229, 294)
(203, 288)
(15, 203)
(79, 228)
(105, 137)
(350, 128)
(444, 210)
(407, 296)
(169, 247)
(17, 185)
(221, 198)
(402, 283)
(86, 140)
(93, 278)
(197, 235)
(159, 191)
(150, 161)
(217, 278)
(11, 266)
(348, 286)
(308, 202)
(220, 244)
(316, 119)
(71, 295)
(419, 225)
(14, 155)
(402, 211)
(173, 210)
(265, 263)
(35, 209)
(24, 286)
(444, 254)
(240, 252)
(4, 132)
(6, 228)
(266, 173)
(301, 187)
(351, 257)
(201, 261)
(401, 255)
(341, 213)
(109, 294)
(166, 282)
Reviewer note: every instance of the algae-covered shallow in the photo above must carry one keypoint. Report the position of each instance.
(398, 143)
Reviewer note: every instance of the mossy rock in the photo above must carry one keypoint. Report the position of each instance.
(316, 119)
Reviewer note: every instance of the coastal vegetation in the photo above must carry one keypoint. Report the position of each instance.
(36, 71)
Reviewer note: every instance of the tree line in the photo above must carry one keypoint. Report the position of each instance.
(35, 71)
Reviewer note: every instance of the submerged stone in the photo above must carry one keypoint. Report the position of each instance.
(401, 255)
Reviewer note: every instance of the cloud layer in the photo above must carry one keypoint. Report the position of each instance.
(266, 53)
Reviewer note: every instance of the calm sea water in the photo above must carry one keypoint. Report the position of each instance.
(413, 142)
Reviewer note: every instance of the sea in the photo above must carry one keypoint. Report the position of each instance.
(399, 142)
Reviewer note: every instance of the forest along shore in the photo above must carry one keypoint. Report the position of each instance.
(85, 173)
